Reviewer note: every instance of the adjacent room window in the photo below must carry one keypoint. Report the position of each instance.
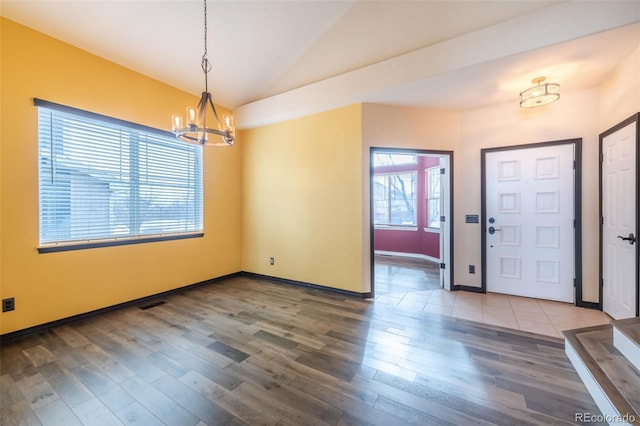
(381, 159)
(104, 180)
(433, 197)
(395, 199)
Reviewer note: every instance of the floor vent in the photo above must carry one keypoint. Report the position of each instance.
(152, 305)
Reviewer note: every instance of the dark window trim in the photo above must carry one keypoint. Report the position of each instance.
(95, 116)
(123, 242)
(70, 246)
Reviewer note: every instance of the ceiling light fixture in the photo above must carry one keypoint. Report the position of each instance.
(196, 131)
(540, 94)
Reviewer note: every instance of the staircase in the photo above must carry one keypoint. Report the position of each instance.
(607, 359)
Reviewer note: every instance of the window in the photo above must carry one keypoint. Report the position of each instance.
(381, 159)
(395, 199)
(433, 197)
(104, 181)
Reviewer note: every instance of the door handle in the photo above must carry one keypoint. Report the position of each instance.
(493, 230)
(631, 238)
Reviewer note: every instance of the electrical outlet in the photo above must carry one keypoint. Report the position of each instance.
(272, 261)
(472, 269)
(8, 304)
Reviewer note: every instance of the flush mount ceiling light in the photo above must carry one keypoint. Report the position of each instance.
(196, 131)
(540, 94)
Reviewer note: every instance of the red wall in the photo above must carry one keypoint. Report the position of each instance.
(409, 241)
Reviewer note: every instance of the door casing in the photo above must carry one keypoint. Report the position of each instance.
(577, 144)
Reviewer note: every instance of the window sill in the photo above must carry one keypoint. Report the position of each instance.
(395, 228)
(83, 245)
(432, 230)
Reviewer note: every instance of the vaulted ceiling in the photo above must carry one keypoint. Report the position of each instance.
(274, 60)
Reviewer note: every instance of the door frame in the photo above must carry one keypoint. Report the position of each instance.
(577, 208)
(448, 226)
(622, 124)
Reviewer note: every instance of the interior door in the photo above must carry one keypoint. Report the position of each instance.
(619, 232)
(529, 214)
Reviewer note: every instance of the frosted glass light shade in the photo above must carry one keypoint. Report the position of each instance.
(540, 94)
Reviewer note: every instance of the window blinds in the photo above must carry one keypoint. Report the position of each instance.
(103, 179)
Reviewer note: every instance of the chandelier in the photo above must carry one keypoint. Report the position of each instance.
(195, 129)
(540, 94)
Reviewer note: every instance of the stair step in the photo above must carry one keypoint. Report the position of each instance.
(612, 381)
(626, 338)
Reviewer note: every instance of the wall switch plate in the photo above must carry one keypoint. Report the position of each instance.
(272, 261)
(472, 269)
(8, 304)
(471, 218)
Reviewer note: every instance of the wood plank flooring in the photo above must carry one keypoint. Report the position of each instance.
(248, 351)
(398, 274)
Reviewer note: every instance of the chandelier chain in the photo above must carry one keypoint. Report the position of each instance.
(206, 65)
(196, 129)
(205, 29)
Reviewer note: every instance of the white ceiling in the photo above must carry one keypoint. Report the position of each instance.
(278, 59)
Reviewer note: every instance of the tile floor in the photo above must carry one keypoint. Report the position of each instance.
(532, 315)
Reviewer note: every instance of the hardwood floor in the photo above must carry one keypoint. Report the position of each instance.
(248, 351)
(397, 274)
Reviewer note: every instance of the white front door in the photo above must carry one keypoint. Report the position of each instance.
(529, 198)
(619, 204)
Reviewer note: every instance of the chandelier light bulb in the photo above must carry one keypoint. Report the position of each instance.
(196, 130)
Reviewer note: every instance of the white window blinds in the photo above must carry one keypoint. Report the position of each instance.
(103, 179)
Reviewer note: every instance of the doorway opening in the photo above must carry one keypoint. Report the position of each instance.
(410, 220)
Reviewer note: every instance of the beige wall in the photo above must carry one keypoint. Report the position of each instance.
(52, 286)
(574, 116)
(466, 133)
(620, 92)
(385, 126)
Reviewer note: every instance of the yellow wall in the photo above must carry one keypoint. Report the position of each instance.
(296, 190)
(51, 286)
(302, 199)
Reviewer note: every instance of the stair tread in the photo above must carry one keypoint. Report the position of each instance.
(630, 327)
(615, 374)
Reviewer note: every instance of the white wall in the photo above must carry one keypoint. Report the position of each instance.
(620, 92)
(573, 116)
(579, 114)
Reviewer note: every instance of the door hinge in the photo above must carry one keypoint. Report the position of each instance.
(601, 282)
(574, 164)
(443, 171)
(601, 220)
(443, 266)
(574, 282)
(601, 157)
(443, 218)
(574, 223)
